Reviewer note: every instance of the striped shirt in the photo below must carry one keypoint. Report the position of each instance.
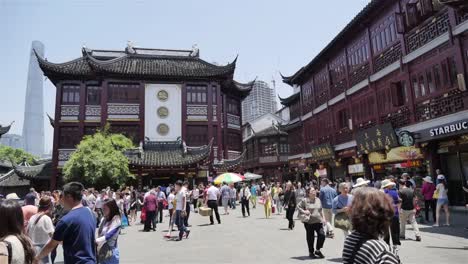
(372, 251)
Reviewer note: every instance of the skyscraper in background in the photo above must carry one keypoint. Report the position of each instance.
(33, 126)
(260, 101)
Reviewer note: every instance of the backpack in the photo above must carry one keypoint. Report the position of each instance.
(9, 250)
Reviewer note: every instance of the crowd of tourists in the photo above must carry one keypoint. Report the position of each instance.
(87, 222)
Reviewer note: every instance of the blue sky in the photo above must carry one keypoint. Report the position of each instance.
(268, 35)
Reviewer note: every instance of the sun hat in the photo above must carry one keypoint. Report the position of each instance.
(427, 179)
(360, 182)
(12, 196)
(441, 177)
(387, 183)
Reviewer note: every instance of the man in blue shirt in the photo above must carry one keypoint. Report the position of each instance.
(253, 195)
(76, 230)
(327, 194)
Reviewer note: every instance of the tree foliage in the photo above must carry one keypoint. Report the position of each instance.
(15, 155)
(99, 160)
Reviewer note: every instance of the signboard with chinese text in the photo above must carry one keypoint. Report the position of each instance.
(376, 138)
(398, 154)
(356, 168)
(322, 152)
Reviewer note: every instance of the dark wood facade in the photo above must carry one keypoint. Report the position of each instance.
(399, 62)
(108, 87)
(266, 152)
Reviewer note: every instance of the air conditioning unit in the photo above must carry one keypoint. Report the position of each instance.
(461, 82)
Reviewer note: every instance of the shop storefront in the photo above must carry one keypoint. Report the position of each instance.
(446, 145)
(322, 161)
(397, 161)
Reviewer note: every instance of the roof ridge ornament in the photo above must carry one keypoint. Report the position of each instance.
(130, 47)
(85, 50)
(195, 51)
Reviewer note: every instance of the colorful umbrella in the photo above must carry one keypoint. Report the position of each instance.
(228, 177)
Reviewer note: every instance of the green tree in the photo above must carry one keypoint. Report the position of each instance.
(15, 155)
(99, 160)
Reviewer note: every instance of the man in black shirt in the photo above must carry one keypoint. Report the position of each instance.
(407, 210)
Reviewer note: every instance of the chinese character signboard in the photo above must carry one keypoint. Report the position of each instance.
(322, 152)
(376, 138)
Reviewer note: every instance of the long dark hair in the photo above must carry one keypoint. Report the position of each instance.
(113, 208)
(11, 224)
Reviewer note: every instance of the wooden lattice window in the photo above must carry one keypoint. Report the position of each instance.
(69, 137)
(124, 93)
(71, 94)
(196, 94)
(197, 135)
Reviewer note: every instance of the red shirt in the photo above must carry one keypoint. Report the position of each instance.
(428, 190)
(151, 203)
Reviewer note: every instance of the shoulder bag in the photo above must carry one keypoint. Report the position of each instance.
(342, 221)
(304, 218)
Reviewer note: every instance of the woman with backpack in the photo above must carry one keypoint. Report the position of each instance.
(40, 227)
(15, 246)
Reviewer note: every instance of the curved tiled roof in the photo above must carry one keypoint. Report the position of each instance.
(137, 65)
(11, 179)
(290, 99)
(41, 171)
(237, 87)
(229, 164)
(5, 129)
(168, 154)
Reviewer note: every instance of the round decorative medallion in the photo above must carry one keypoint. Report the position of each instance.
(163, 129)
(163, 112)
(163, 95)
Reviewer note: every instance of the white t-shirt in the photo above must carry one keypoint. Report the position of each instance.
(169, 201)
(39, 233)
(213, 193)
(180, 199)
(17, 250)
(195, 193)
(440, 188)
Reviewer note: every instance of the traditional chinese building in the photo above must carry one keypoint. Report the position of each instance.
(19, 178)
(387, 95)
(183, 112)
(266, 148)
(4, 129)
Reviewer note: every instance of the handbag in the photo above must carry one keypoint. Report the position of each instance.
(342, 221)
(104, 252)
(124, 221)
(436, 194)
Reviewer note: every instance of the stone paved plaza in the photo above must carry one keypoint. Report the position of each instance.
(258, 240)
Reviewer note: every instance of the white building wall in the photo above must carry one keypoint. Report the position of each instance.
(174, 106)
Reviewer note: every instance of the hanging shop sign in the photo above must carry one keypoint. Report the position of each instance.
(356, 168)
(322, 152)
(301, 163)
(376, 138)
(448, 129)
(398, 154)
(346, 153)
(405, 138)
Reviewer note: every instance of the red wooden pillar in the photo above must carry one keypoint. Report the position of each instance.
(55, 171)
